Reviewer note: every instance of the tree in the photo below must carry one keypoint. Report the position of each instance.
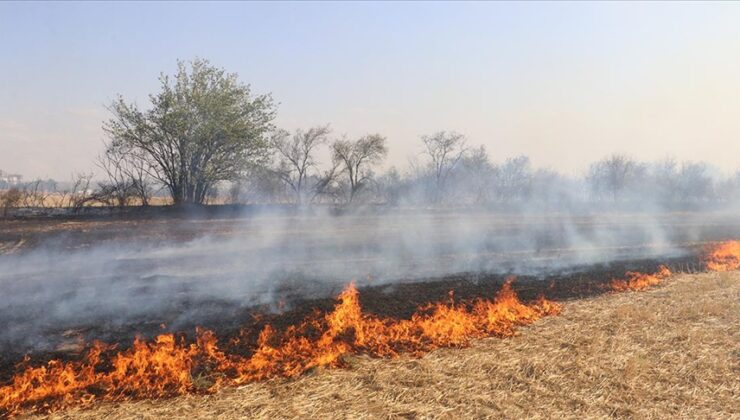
(297, 166)
(664, 180)
(203, 127)
(259, 185)
(693, 182)
(612, 175)
(128, 176)
(551, 189)
(514, 178)
(356, 157)
(731, 191)
(445, 151)
(35, 194)
(731, 188)
(80, 193)
(476, 175)
(389, 187)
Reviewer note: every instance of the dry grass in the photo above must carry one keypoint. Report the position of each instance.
(60, 200)
(671, 352)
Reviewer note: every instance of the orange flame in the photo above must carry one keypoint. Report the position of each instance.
(723, 257)
(168, 366)
(640, 281)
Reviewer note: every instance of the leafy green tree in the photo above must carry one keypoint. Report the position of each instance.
(203, 127)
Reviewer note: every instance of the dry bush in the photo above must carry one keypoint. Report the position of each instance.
(34, 195)
(79, 196)
(10, 199)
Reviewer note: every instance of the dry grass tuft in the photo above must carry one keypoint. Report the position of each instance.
(670, 352)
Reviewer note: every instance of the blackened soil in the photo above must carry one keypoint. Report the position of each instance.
(398, 300)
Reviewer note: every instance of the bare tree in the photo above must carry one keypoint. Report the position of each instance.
(550, 189)
(297, 166)
(35, 194)
(694, 182)
(128, 175)
(445, 150)
(357, 157)
(730, 191)
(80, 193)
(664, 179)
(614, 174)
(476, 175)
(514, 180)
(389, 187)
(119, 189)
(138, 169)
(260, 185)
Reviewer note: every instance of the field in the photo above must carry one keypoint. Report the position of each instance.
(462, 314)
(670, 352)
(369, 210)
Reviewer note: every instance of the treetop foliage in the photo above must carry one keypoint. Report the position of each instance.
(203, 127)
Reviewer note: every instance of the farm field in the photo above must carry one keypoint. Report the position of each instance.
(135, 274)
(124, 280)
(369, 210)
(669, 352)
(161, 225)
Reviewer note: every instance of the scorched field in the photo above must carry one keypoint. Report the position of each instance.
(391, 315)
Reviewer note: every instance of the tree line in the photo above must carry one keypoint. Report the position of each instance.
(206, 134)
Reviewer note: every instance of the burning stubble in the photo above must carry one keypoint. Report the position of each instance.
(168, 366)
(723, 257)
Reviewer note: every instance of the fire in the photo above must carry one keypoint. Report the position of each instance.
(723, 257)
(168, 366)
(640, 281)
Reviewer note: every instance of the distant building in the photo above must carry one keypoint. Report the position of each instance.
(10, 179)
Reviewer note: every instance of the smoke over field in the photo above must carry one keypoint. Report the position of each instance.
(67, 283)
(197, 199)
(132, 286)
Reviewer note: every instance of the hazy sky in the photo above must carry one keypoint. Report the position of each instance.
(563, 83)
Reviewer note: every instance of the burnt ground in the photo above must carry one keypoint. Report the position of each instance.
(297, 298)
(399, 301)
(667, 352)
(63, 229)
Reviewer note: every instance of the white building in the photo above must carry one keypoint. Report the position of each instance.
(10, 179)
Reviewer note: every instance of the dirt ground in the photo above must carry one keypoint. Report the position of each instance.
(160, 225)
(669, 352)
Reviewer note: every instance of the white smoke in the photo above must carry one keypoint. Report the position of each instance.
(265, 257)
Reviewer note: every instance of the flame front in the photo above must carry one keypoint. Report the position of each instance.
(723, 257)
(168, 366)
(636, 281)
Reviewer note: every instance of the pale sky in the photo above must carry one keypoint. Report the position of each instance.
(565, 83)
